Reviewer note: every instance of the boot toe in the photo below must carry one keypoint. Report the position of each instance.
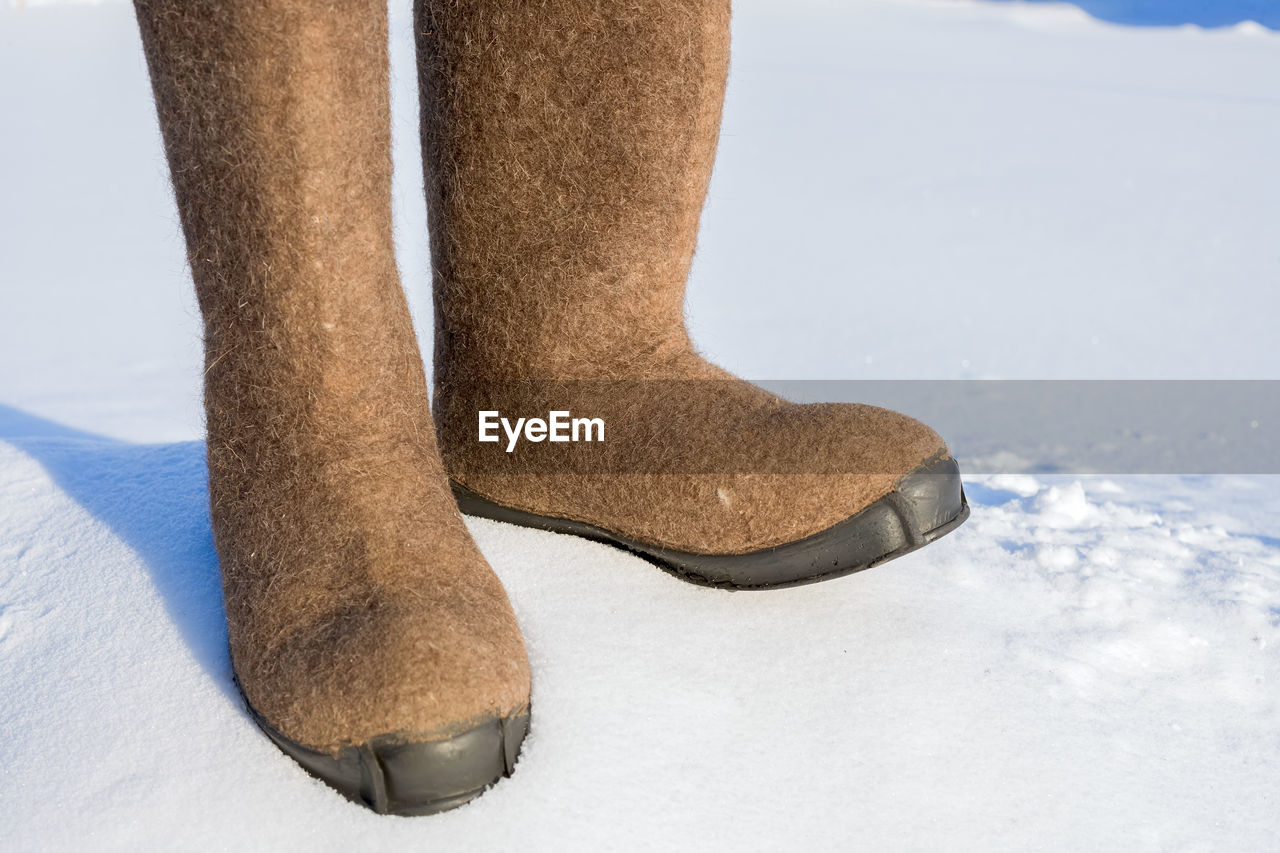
(408, 701)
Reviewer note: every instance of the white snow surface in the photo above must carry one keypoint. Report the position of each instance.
(904, 190)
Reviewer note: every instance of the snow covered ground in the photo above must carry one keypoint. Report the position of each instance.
(1090, 662)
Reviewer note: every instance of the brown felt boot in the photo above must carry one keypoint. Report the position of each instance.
(568, 146)
(370, 638)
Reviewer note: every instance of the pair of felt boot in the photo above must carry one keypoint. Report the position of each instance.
(567, 150)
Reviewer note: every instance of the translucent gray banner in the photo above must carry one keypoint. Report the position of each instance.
(991, 426)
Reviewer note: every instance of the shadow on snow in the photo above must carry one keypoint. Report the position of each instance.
(154, 497)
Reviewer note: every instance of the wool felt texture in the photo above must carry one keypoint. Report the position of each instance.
(357, 603)
(567, 150)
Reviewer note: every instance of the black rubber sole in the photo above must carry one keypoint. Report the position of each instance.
(924, 506)
(392, 776)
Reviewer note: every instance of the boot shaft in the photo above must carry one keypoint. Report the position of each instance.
(567, 150)
(276, 121)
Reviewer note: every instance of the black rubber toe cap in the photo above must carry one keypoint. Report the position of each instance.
(393, 776)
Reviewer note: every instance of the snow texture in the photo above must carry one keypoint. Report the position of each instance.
(1090, 662)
